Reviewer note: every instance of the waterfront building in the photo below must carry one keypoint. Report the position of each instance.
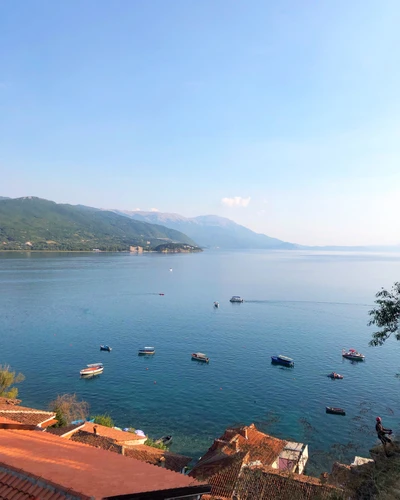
(245, 464)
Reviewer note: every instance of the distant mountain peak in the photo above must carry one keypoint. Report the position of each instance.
(209, 230)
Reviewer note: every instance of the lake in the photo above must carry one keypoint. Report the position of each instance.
(56, 309)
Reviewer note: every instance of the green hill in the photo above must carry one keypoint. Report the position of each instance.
(37, 224)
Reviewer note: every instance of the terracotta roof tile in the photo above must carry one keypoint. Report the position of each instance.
(61, 431)
(16, 484)
(247, 439)
(273, 484)
(94, 472)
(11, 410)
(96, 441)
(152, 455)
(32, 417)
(118, 436)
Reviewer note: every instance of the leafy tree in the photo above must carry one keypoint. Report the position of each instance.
(7, 379)
(105, 420)
(67, 408)
(60, 418)
(387, 315)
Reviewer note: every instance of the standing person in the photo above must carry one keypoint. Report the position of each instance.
(381, 431)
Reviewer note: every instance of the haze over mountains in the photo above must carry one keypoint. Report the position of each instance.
(211, 231)
(47, 225)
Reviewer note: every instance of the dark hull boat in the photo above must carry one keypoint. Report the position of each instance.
(282, 360)
(105, 348)
(335, 411)
(334, 375)
(165, 440)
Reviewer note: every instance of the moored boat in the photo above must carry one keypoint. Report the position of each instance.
(353, 354)
(165, 440)
(105, 348)
(282, 360)
(335, 411)
(199, 356)
(236, 298)
(146, 350)
(335, 375)
(92, 369)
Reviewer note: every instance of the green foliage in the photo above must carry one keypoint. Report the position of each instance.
(50, 226)
(62, 422)
(7, 379)
(105, 420)
(177, 248)
(386, 316)
(152, 443)
(67, 408)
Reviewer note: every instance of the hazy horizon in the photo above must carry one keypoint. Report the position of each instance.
(280, 116)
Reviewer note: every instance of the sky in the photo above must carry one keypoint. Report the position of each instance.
(282, 116)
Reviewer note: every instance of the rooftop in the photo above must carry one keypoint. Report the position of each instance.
(267, 483)
(109, 432)
(172, 461)
(246, 459)
(92, 472)
(11, 410)
(247, 439)
(16, 484)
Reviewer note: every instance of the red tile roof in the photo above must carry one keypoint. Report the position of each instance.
(118, 436)
(97, 441)
(246, 439)
(268, 484)
(153, 456)
(93, 472)
(65, 430)
(16, 484)
(239, 463)
(10, 409)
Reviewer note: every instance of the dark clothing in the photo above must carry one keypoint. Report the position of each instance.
(381, 431)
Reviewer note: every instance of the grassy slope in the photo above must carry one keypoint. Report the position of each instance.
(74, 227)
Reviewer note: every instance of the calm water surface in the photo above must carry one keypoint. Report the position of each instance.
(56, 309)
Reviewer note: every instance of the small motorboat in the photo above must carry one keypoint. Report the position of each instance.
(146, 350)
(335, 411)
(216, 304)
(199, 356)
(105, 348)
(353, 354)
(236, 298)
(92, 369)
(335, 375)
(160, 294)
(282, 360)
(165, 440)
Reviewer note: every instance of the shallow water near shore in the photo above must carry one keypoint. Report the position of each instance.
(56, 310)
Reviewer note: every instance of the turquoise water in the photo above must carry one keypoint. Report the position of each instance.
(56, 309)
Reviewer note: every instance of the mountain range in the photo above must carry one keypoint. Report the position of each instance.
(211, 231)
(39, 224)
(47, 225)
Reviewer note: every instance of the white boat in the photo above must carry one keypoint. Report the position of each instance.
(92, 369)
(236, 298)
(199, 356)
(353, 354)
(147, 350)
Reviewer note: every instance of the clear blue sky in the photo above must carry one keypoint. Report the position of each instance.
(282, 115)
